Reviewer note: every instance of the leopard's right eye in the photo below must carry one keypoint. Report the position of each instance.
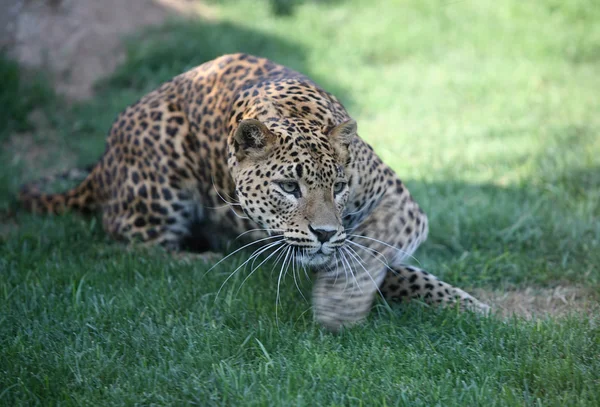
(290, 187)
(338, 187)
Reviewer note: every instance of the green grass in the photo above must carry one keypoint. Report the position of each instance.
(20, 94)
(487, 110)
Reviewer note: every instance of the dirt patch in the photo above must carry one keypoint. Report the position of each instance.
(541, 302)
(80, 41)
(26, 149)
(39, 151)
(77, 42)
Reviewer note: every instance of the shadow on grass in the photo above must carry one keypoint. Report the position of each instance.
(495, 233)
(153, 57)
(286, 8)
(158, 54)
(481, 235)
(21, 92)
(527, 234)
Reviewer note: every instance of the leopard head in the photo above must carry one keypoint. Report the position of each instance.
(291, 179)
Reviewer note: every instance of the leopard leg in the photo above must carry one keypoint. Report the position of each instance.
(391, 232)
(372, 261)
(403, 283)
(155, 231)
(343, 297)
(151, 214)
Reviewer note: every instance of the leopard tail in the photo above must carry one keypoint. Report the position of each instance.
(82, 198)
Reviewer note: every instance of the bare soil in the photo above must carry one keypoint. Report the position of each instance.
(80, 41)
(531, 302)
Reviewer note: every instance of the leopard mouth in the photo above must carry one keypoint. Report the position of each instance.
(313, 257)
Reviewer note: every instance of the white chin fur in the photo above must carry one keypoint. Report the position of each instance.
(315, 260)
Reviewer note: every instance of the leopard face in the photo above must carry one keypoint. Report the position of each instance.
(292, 181)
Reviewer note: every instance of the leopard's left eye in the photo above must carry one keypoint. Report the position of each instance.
(338, 187)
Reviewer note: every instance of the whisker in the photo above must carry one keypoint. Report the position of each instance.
(220, 206)
(258, 230)
(253, 261)
(373, 253)
(212, 179)
(230, 204)
(360, 261)
(277, 261)
(366, 248)
(294, 260)
(303, 265)
(277, 298)
(388, 245)
(244, 263)
(238, 215)
(257, 253)
(254, 256)
(343, 257)
(253, 269)
(345, 272)
(304, 312)
(237, 250)
(337, 274)
(364, 208)
(336, 267)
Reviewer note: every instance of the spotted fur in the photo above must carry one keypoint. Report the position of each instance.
(285, 156)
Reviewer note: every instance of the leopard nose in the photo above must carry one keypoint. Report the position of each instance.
(322, 235)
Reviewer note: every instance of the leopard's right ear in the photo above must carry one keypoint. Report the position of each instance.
(252, 139)
(344, 133)
(342, 136)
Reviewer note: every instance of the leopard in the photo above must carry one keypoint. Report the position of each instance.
(243, 146)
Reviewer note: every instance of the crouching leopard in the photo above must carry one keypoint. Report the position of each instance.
(243, 146)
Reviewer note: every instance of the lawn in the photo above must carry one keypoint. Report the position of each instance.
(489, 111)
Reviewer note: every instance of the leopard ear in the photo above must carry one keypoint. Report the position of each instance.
(344, 133)
(251, 138)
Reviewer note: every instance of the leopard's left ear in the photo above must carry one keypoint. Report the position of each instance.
(252, 139)
(344, 133)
